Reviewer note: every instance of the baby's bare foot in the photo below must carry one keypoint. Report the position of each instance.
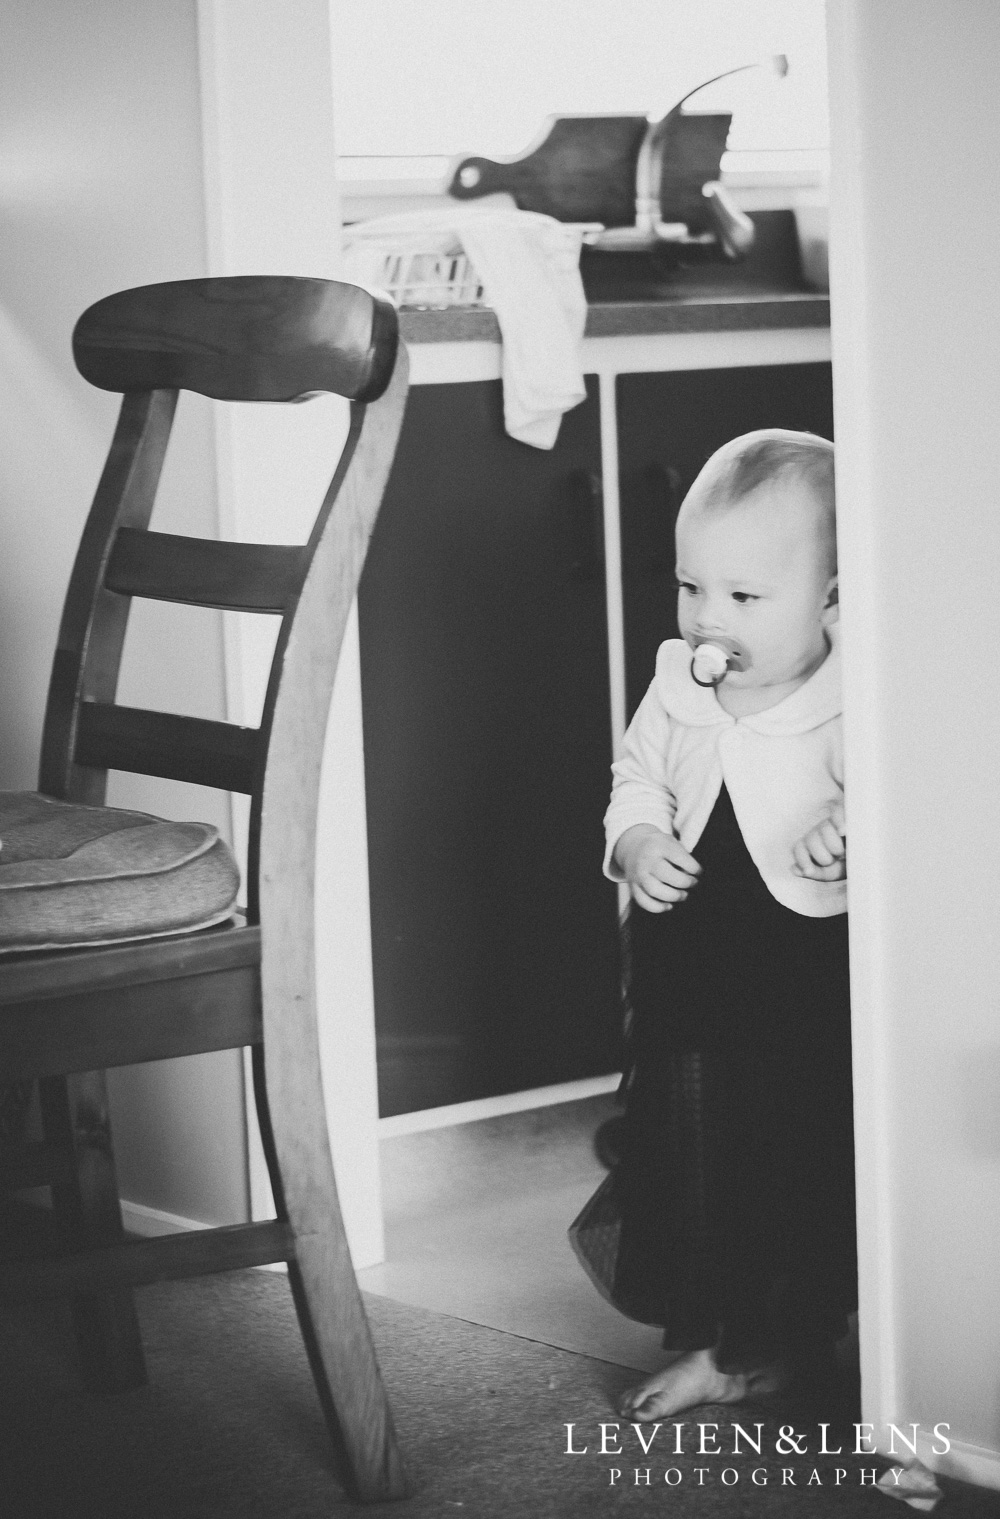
(693, 1379)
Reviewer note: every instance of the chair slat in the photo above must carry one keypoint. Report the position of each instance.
(194, 1252)
(162, 743)
(35, 978)
(128, 1026)
(247, 577)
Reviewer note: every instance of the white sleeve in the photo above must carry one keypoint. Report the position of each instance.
(639, 792)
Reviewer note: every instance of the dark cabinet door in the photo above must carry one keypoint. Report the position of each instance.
(668, 424)
(486, 723)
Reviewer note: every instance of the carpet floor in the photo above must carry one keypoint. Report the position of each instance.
(229, 1427)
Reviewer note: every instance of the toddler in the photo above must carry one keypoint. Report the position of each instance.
(729, 1219)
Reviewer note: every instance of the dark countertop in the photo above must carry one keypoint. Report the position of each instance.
(636, 294)
(718, 313)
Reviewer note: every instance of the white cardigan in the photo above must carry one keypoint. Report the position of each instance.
(784, 770)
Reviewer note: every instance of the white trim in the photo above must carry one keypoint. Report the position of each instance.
(650, 352)
(364, 200)
(853, 333)
(458, 363)
(272, 205)
(614, 596)
(216, 107)
(496, 1107)
(453, 363)
(381, 184)
(614, 593)
(969, 1463)
(758, 166)
(150, 1223)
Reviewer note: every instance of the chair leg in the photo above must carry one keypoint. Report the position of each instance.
(325, 1290)
(87, 1208)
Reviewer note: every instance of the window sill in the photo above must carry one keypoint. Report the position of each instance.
(760, 181)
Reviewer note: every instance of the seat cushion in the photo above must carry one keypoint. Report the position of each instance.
(73, 875)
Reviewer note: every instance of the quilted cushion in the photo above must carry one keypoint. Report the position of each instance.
(74, 875)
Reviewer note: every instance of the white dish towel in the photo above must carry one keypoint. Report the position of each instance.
(530, 268)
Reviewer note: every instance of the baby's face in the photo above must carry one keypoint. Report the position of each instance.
(755, 578)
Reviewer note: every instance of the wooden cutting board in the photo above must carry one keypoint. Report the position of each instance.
(580, 169)
(583, 168)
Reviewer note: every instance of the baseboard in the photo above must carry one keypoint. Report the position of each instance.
(969, 1463)
(496, 1107)
(149, 1223)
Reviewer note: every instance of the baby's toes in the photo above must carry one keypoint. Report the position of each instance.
(641, 1406)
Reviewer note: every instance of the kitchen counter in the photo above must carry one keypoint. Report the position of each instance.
(732, 311)
(632, 295)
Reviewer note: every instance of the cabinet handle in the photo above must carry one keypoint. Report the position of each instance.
(583, 512)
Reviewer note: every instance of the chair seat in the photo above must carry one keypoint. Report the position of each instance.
(73, 875)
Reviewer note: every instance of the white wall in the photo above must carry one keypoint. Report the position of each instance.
(101, 188)
(455, 76)
(915, 227)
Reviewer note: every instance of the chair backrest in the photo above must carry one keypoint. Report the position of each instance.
(246, 339)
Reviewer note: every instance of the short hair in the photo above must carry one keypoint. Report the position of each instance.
(739, 467)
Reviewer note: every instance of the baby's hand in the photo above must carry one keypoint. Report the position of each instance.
(657, 867)
(822, 854)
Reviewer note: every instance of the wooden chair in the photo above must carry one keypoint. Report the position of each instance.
(66, 1016)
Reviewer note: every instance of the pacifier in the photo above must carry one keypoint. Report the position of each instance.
(712, 659)
(709, 664)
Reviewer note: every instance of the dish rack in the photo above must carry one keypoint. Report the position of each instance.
(415, 274)
(428, 281)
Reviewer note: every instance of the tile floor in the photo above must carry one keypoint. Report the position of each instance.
(476, 1218)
